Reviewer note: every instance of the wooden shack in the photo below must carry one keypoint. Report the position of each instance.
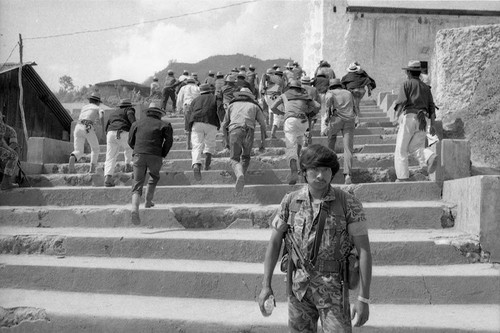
(45, 116)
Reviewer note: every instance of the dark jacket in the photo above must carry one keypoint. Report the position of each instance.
(121, 120)
(203, 109)
(355, 80)
(321, 84)
(151, 135)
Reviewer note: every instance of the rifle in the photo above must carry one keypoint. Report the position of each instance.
(295, 254)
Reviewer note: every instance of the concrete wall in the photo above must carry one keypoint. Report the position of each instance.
(462, 54)
(382, 43)
(478, 211)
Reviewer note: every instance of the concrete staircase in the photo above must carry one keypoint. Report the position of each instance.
(72, 262)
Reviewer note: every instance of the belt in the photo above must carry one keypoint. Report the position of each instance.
(300, 116)
(328, 266)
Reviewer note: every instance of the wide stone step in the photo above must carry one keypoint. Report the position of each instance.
(84, 312)
(389, 247)
(316, 131)
(364, 118)
(258, 162)
(446, 284)
(380, 215)
(252, 194)
(211, 177)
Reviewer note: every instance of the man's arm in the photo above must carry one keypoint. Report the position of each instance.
(262, 122)
(274, 106)
(168, 139)
(271, 258)
(362, 309)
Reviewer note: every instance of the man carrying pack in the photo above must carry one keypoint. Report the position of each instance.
(151, 139)
(117, 129)
(204, 124)
(171, 84)
(414, 109)
(241, 115)
(326, 223)
(298, 107)
(85, 130)
(342, 116)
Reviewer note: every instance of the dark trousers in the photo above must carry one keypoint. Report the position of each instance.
(143, 163)
(168, 93)
(241, 143)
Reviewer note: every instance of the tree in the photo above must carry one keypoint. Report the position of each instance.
(66, 83)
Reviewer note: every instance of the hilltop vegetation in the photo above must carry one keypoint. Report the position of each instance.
(223, 63)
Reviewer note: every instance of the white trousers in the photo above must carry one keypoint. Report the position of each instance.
(322, 113)
(80, 135)
(409, 140)
(294, 129)
(202, 140)
(113, 148)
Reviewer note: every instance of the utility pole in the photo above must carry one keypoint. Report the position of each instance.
(21, 97)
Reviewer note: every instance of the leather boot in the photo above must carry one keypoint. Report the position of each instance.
(245, 167)
(188, 144)
(208, 161)
(150, 193)
(7, 183)
(294, 172)
(240, 177)
(71, 164)
(134, 215)
(273, 132)
(93, 168)
(197, 171)
(108, 181)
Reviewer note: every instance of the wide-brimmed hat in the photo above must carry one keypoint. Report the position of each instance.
(244, 92)
(289, 65)
(242, 67)
(305, 79)
(413, 65)
(270, 71)
(170, 72)
(219, 74)
(278, 72)
(295, 84)
(124, 103)
(275, 66)
(185, 72)
(210, 72)
(251, 66)
(242, 75)
(335, 83)
(194, 74)
(354, 67)
(156, 107)
(95, 97)
(205, 88)
(190, 79)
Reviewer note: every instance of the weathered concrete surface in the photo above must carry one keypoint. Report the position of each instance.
(396, 247)
(453, 160)
(478, 211)
(82, 312)
(381, 95)
(380, 215)
(459, 284)
(252, 194)
(462, 54)
(387, 102)
(46, 150)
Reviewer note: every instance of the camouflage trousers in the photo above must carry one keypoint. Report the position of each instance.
(303, 315)
(8, 158)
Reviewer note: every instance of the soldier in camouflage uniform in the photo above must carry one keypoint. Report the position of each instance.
(320, 295)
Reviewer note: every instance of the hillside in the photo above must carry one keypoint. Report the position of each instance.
(223, 63)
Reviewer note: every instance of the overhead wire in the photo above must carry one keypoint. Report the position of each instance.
(9, 55)
(141, 23)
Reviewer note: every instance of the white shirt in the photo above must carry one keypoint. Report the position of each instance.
(187, 94)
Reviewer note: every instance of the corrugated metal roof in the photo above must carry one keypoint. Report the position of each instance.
(485, 8)
(44, 93)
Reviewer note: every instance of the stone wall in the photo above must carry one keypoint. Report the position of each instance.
(381, 42)
(461, 56)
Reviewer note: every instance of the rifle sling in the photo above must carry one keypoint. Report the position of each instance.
(319, 232)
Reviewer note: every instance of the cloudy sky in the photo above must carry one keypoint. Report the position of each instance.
(155, 32)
